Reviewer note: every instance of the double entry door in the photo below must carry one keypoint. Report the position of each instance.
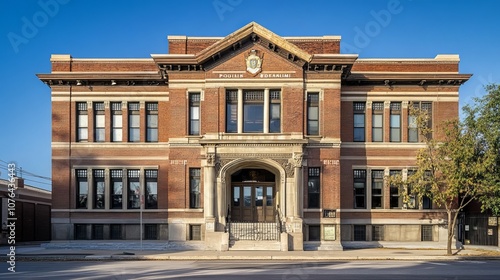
(253, 202)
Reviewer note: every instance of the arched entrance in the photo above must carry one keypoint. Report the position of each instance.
(253, 195)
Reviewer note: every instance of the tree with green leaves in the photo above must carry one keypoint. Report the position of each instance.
(460, 167)
(484, 117)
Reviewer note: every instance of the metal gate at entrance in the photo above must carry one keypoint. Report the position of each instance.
(480, 230)
(253, 214)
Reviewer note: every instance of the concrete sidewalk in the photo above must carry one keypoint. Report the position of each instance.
(39, 253)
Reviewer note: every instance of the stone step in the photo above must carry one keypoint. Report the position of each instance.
(250, 245)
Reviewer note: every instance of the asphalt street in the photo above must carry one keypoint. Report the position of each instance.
(429, 270)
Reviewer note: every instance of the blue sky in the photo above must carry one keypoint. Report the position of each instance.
(32, 30)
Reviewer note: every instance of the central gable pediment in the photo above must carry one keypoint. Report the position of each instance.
(248, 37)
(253, 33)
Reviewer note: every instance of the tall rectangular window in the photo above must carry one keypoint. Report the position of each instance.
(377, 189)
(99, 122)
(313, 188)
(194, 188)
(377, 121)
(359, 188)
(274, 111)
(82, 133)
(116, 188)
(134, 123)
(359, 121)
(395, 122)
(413, 133)
(313, 113)
(194, 113)
(426, 200)
(411, 203)
(116, 122)
(427, 107)
(396, 200)
(412, 124)
(98, 188)
(253, 111)
(134, 189)
(151, 122)
(82, 186)
(151, 189)
(232, 111)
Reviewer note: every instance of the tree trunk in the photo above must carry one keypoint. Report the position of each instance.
(451, 232)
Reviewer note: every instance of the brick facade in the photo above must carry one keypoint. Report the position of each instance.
(252, 124)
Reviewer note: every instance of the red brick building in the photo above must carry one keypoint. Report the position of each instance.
(226, 142)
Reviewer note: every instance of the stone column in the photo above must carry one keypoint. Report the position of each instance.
(209, 183)
(299, 188)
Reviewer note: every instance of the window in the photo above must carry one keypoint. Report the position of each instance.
(152, 122)
(313, 113)
(426, 201)
(378, 233)
(232, 111)
(427, 107)
(134, 132)
(412, 125)
(377, 189)
(150, 231)
(115, 231)
(82, 188)
(134, 189)
(411, 204)
(395, 122)
(98, 189)
(82, 122)
(377, 121)
(426, 233)
(261, 111)
(359, 121)
(194, 232)
(116, 122)
(194, 113)
(274, 111)
(395, 198)
(314, 232)
(194, 187)
(151, 189)
(99, 122)
(81, 232)
(359, 233)
(97, 232)
(359, 188)
(253, 111)
(413, 134)
(116, 188)
(313, 188)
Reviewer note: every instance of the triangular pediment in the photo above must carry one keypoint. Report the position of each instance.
(250, 34)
